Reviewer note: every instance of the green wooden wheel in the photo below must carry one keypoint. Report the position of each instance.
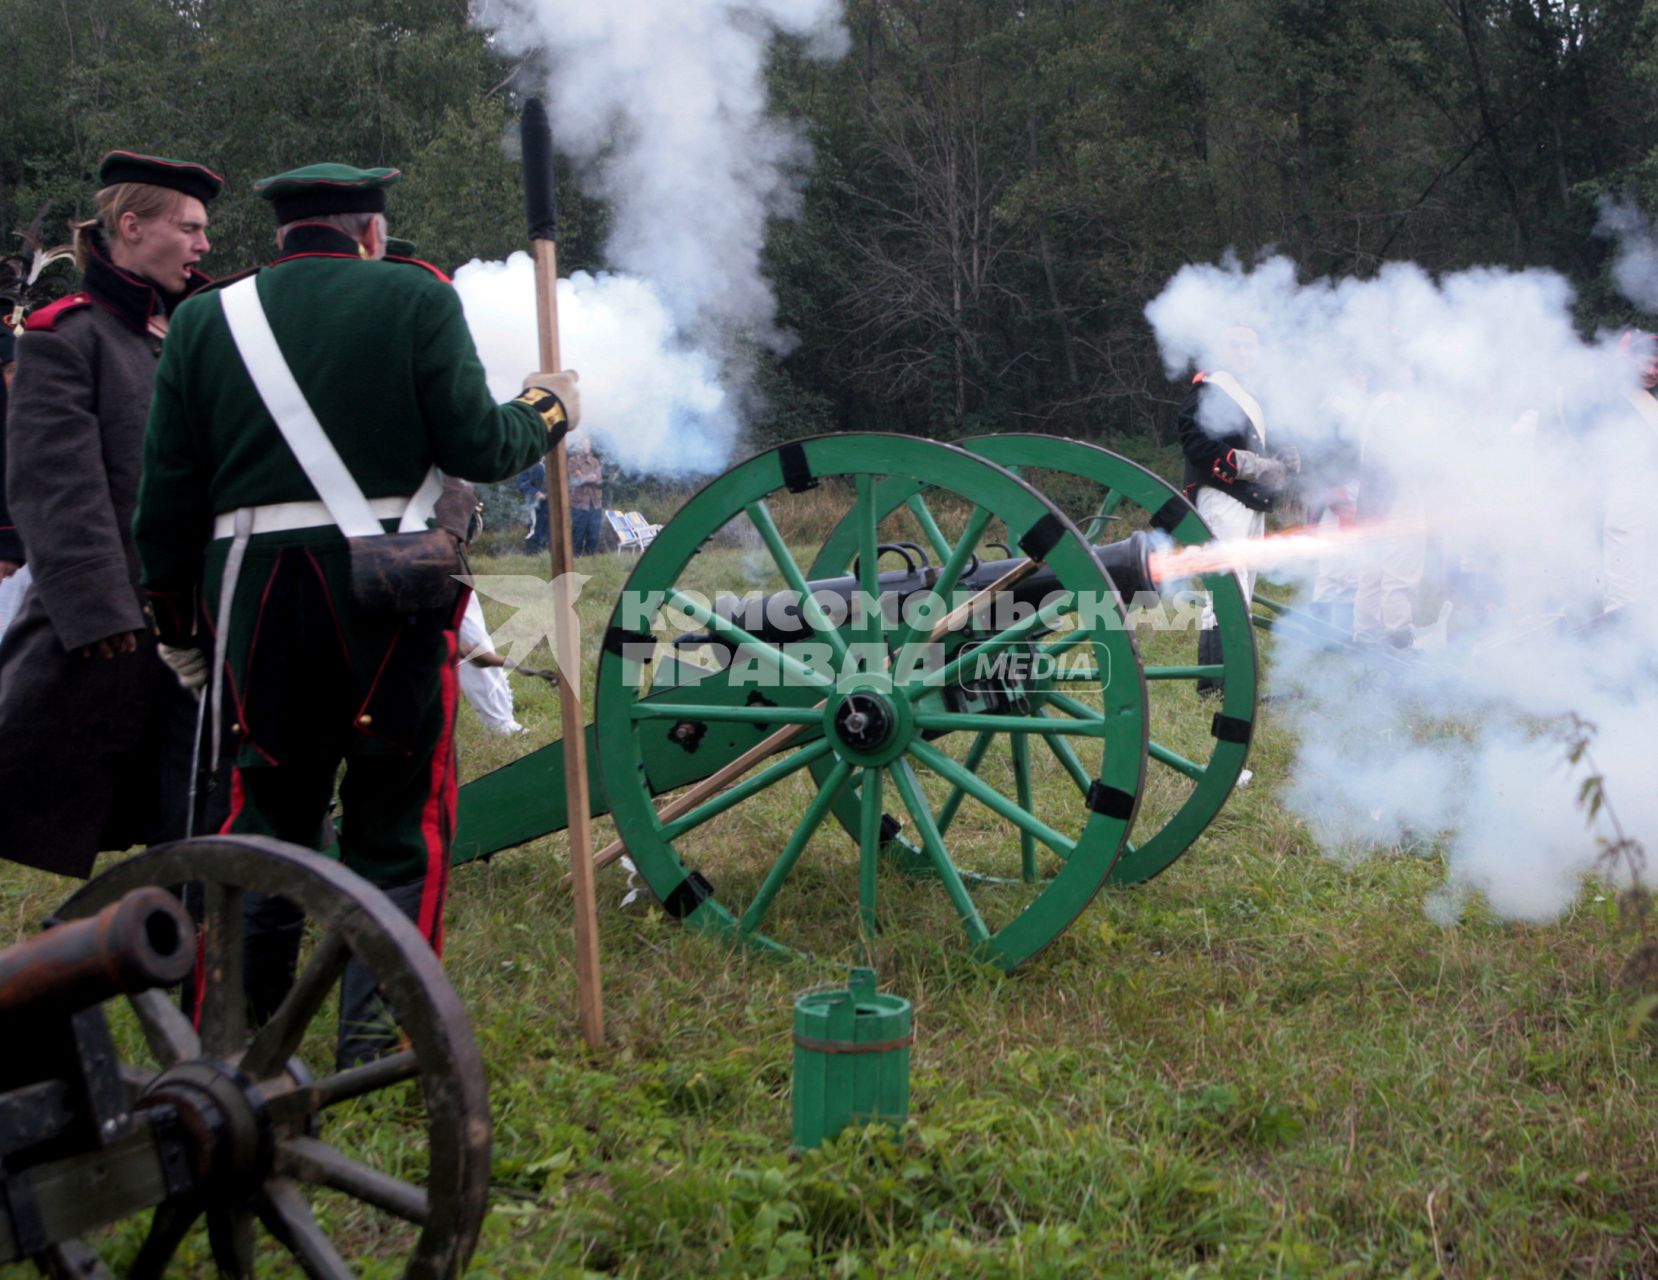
(1191, 790)
(881, 729)
(1185, 792)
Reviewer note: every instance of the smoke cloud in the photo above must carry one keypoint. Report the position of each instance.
(1635, 263)
(650, 403)
(1520, 446)
(663, 105)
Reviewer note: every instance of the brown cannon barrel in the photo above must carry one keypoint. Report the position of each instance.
(145, 940)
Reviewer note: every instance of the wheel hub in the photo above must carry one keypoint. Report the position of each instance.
(865, 721)
(232, 1146)
(868, 722)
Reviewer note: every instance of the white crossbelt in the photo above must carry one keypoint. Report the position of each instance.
(285, 517)
(342, 501)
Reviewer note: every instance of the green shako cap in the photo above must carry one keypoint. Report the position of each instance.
(318, 190)
(158, 171)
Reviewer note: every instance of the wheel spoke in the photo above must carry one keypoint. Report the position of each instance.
(1019, 745)
(952, 802)
(168, 1227)
(277, 1041)
(287, 1217)
(230, 1234)
(1067, 758)
(288, 1105)
(1070, 640)
(742, 639)
(796, 846)
(312, 1161)
(929, 527)
(869, 569)
(869, 847)
(1207, 671)
(1178, 763)
(951, 671)
(224, 1010)
(1076, 710)
(742, 791)
(760, 515)
(909, 788)
(958, 721)
(951, 771)
(166, 1030)
(944, 585)
(758, 714)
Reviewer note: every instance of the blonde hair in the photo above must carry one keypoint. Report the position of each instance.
(113, 203)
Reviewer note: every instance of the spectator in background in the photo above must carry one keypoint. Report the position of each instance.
(586, 497)
(532, 483)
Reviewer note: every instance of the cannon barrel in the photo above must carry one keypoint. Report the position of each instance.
(778, 617)
(144, 940)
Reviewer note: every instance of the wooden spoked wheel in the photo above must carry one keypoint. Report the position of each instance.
(851, 707)
(257, 1108)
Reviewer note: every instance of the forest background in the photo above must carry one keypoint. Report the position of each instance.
(995, 190)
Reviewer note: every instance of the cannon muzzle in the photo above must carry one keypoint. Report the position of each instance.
(145, 940)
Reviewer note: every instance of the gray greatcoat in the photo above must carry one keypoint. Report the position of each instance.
(94, 752)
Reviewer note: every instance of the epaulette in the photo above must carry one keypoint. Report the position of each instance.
(416, 262)
(221, 281)
(45, 319)
(1201, 375)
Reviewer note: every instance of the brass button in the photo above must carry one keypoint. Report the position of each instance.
(365, 720)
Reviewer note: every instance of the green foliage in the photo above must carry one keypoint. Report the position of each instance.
(996, 190)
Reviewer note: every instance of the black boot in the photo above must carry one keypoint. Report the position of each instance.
(368, 1024)
(1209, 655)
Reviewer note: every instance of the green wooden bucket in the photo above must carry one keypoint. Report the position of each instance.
(851, 1059)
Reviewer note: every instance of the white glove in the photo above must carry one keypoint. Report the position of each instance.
(1268, 473)
(189, 665)
(564, 386)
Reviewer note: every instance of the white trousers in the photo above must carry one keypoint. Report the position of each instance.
(1391, 577)
(1629, 540)
(11, 596)
(486, 688)
(1229, 520)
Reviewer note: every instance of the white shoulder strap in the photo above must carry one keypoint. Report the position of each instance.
(1642, 402)
(1248, 403)
(313, 450)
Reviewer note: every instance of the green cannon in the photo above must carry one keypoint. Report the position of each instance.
(114, 1101)
(1001, 669)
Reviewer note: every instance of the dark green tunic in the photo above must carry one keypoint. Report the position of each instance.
(386, 361)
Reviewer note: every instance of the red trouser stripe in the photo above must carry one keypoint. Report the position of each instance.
(237, 799)
(437, 819)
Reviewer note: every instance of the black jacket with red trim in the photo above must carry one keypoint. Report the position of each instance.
(1212, 426)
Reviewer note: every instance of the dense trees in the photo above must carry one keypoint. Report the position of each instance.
(998, 187)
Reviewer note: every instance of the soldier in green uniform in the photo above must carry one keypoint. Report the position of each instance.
(245, 552)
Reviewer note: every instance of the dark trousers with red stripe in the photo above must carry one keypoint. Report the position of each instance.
(320, 693)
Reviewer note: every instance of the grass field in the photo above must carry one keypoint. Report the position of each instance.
(1264, 1062)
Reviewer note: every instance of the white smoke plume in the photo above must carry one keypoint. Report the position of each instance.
(663, 105)
(1516, 440)
(650, 403)
(1635, 263)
